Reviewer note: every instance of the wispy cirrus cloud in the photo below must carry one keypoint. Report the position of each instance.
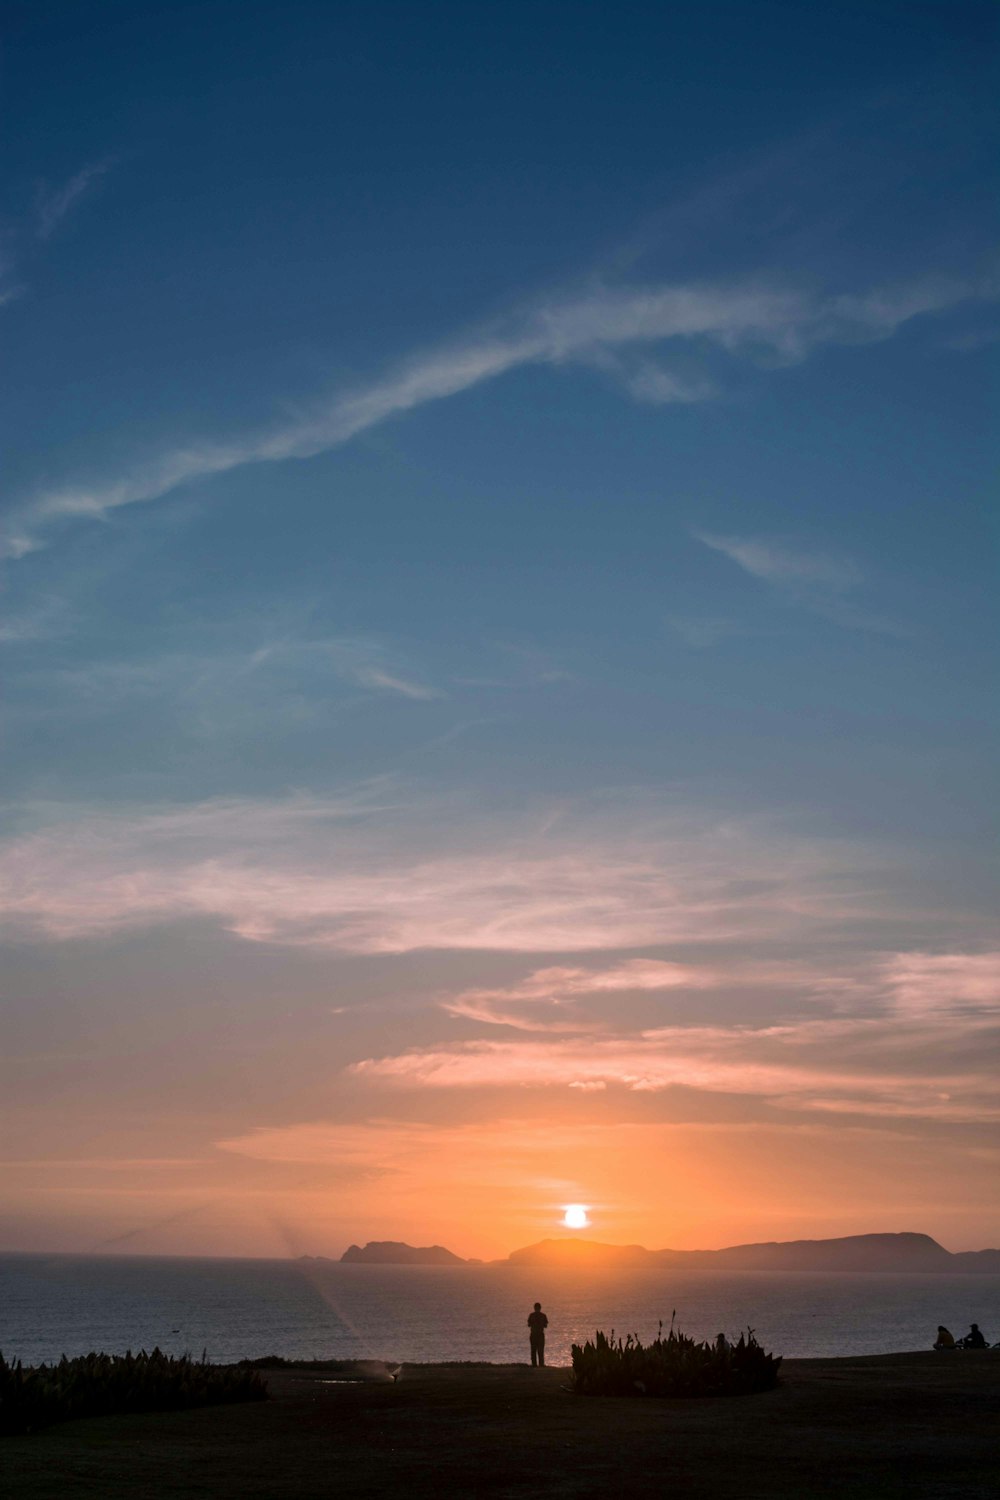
(390, 682)
(53, 204)
(47, 618)
(555, 991)
(605, 326)
(823, 582)
(202, 688)
(849, 1064)
(873, 1034)
(377, 871)
(923, 983)
(784, 566)
(358, 659)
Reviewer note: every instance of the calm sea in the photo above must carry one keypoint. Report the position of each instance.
(54, 1305)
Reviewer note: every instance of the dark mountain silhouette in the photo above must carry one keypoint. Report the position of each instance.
(856, 1252)
(976, 1260)
(395, 1253)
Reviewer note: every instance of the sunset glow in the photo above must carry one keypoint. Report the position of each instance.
(499, 636)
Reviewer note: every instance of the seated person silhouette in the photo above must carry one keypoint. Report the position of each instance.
(944, 1340)
(537, 1324)
(974, 1339)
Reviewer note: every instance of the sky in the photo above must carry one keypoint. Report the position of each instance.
(499, 623)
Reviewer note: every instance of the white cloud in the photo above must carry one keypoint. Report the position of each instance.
(16, 543)
(51, 207)
(360, 659)
(377, 677)
(650, 382)
(819, 581)
(741, 319)
(55, 203)
(778, 564)
(206, 682)
(49, 617)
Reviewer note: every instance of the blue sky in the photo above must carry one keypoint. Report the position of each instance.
(500, 619)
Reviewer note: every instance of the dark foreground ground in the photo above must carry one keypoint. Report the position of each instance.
(904, 1425)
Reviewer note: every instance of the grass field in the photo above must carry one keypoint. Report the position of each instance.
(910, 1427)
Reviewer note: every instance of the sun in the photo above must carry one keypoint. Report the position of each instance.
(575, 1216)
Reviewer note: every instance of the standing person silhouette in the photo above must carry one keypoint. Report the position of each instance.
(537, 1324)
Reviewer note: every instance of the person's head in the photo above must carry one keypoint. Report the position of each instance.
(538, 1307)
(975, 1328)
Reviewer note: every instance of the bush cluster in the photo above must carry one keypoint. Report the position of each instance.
(672, 1366)
(103, 1384)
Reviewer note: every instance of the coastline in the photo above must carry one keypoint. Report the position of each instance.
(879, 1427)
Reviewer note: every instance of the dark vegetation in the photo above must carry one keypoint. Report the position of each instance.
(106, 1384)
(672, 1366)
(279, 1362)
(352, 1366)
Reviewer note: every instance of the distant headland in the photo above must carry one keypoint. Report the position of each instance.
(395, 1253)
(854, 1252)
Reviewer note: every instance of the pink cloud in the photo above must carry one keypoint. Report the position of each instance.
(921, 982)
(555, 988)
(351, 875)
(849, 1064)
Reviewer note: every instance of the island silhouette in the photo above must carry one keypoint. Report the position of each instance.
(395, 1253)
(905, 1251)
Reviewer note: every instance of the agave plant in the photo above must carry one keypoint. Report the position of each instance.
(672, 1366)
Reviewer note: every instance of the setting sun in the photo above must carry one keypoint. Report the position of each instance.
(575, 1216)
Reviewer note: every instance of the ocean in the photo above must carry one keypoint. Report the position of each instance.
(52, 1305)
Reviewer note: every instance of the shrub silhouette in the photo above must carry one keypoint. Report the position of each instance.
(103, 1384)
(672, 1366)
